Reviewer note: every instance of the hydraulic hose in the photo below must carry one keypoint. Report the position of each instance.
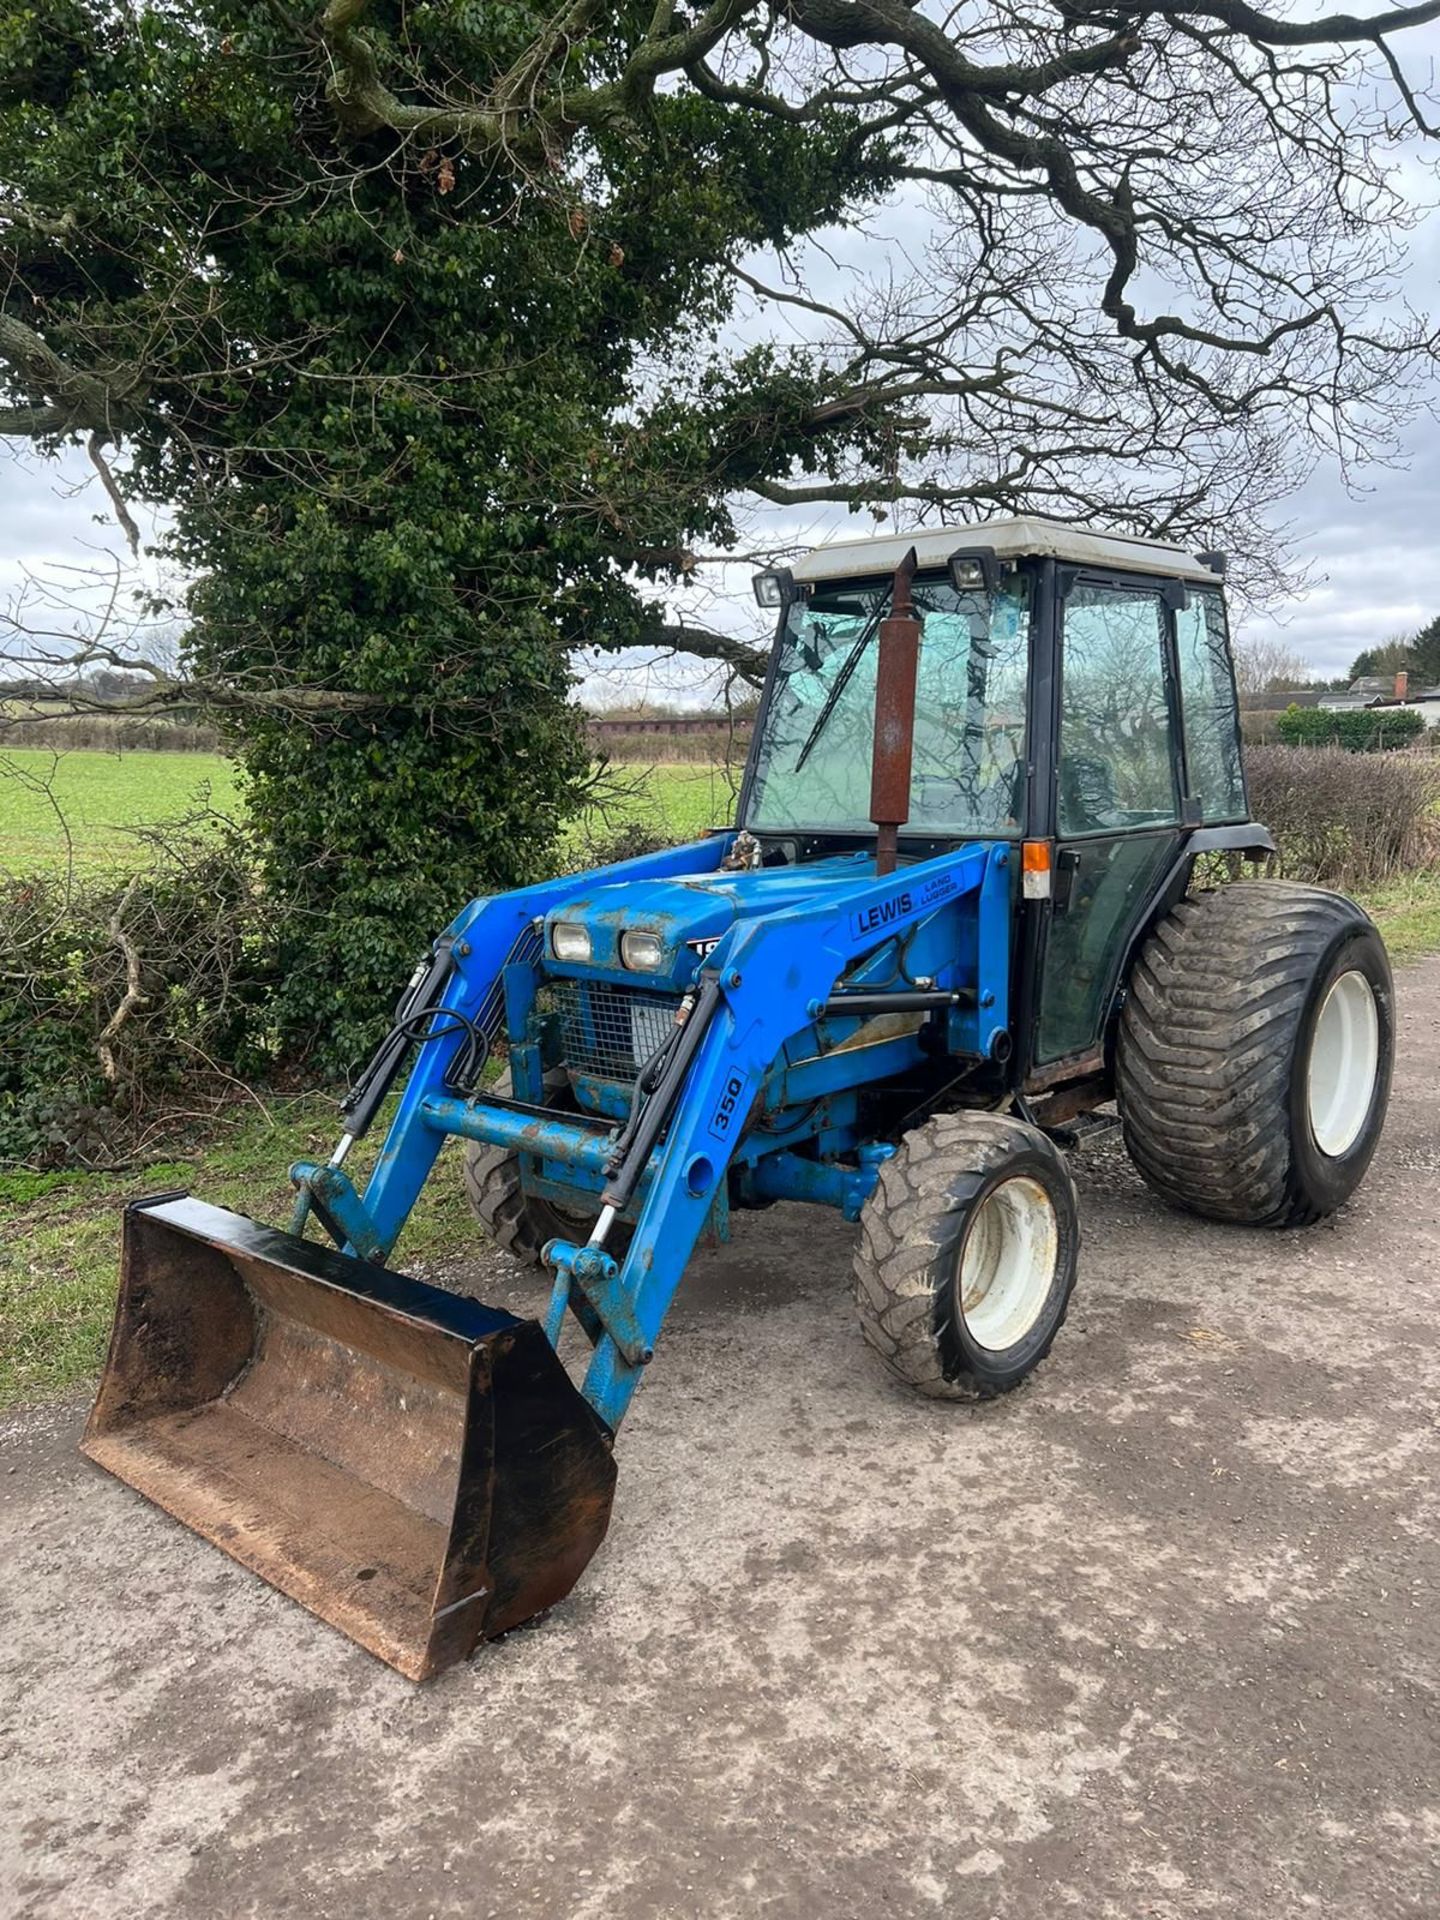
(655, 1114)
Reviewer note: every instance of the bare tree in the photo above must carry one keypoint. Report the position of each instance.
(1153, 272)
(1265, 664)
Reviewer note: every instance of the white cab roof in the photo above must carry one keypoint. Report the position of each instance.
(1011, 540)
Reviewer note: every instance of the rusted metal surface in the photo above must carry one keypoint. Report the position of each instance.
(896, 670)
(415, 1468)
(1083, 1097)
(1075, 1066)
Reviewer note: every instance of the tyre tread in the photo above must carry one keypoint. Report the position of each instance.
(1206, 1047)
(937, 1171)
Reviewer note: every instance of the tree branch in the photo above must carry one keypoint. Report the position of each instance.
(749, 662)
(94, 448)
(133, 997)
(78, 401)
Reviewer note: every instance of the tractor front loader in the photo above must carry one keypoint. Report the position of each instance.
(955, 920)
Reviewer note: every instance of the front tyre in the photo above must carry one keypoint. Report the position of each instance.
(522, 1223)
(967, 1255)
(1255, 1052)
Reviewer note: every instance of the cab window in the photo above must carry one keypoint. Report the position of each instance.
(1116, 764)
(813, 758)
(1207, 699)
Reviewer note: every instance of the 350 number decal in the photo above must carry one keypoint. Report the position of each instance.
(727, 1108)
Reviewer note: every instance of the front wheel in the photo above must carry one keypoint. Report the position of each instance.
(967, 1255)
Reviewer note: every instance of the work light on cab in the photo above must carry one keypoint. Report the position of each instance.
(774, 589)
(974, 570)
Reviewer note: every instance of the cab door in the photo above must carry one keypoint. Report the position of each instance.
(1118, 781)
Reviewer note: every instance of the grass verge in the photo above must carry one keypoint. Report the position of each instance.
(1407, 912)
(61, 1243)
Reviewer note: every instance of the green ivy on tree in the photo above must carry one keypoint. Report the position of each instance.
(409, 425)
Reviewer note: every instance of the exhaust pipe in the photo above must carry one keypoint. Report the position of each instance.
(896, 669)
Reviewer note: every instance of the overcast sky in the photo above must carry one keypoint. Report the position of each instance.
(1374, 557)
(1372, 553)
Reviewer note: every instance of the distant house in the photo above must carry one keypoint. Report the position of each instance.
(1386, 690)
(1370, 690)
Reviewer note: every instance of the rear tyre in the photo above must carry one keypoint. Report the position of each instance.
(967, 1255)
(521, 1223)
(1255, 1052)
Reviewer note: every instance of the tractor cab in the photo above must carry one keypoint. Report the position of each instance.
(1075, 696)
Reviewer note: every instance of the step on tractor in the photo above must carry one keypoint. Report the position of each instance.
(983, 885)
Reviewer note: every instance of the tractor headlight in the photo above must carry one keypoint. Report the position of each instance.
(644, 952)
(570, 941)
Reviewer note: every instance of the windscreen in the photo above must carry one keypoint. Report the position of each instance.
(812, 766)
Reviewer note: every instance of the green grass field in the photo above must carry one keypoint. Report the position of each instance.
(679, 800)
(87, 807)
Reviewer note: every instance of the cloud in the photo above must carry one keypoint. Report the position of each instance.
(60, 549)
(1373, 558)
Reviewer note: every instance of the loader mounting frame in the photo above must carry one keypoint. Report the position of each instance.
(769, 979)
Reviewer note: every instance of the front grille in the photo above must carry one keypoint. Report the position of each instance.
(608, 1031)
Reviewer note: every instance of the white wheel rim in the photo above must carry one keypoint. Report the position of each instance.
(1344, 1064)
(1008, 1264)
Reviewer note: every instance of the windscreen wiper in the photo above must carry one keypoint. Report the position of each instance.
(842, 680)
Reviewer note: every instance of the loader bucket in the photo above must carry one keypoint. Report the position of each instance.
(414, 1467)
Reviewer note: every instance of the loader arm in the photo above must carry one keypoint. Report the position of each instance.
(484, 937)
(767, 980)
(774, 975)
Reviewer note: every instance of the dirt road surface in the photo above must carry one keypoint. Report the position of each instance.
(1157, 1636)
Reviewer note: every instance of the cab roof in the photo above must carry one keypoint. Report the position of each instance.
(1024, 537)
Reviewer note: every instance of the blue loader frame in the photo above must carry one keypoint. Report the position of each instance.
(769, 979)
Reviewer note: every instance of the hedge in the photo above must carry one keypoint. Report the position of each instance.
(123, 1000)
(1357, 729)
(1340, 821)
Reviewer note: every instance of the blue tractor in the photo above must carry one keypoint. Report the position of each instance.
(958, 916)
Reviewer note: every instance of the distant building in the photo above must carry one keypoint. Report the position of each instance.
(1386, 690)
(1370, 690)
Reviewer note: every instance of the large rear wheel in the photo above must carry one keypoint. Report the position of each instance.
(1255, 1052)
(967, 1255)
